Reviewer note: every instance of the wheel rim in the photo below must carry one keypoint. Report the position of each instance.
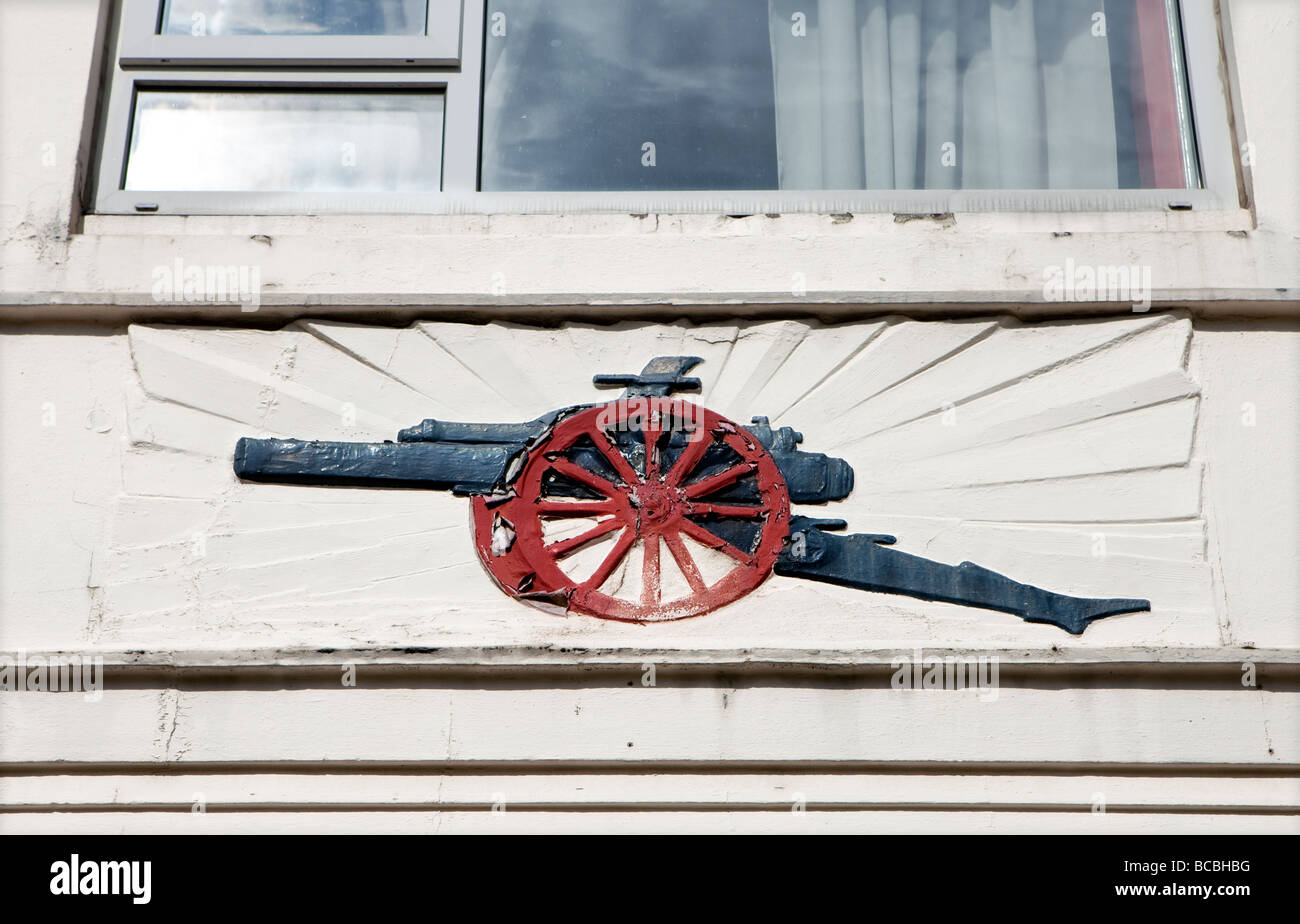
(640, 510)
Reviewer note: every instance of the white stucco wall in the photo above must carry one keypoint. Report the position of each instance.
(225, 612)
(1213, 262)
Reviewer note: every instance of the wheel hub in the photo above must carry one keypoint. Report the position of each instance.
(657, 503)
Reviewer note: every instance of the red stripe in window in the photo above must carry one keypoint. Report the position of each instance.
(1160, 152)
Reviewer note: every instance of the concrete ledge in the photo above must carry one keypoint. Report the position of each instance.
(63, 308)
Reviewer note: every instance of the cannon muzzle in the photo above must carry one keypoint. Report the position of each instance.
(811, 477)
(466, 468)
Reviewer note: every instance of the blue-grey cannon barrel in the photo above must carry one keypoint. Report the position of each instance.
(475, 458)
(453, 431)
(467, 467)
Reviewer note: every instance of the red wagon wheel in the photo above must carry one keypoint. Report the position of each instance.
(621, 497)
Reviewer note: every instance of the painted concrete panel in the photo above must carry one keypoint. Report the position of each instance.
(1065, 455)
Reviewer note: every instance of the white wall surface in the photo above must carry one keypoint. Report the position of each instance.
(1223, 262)
(226, 611)
(125, 533)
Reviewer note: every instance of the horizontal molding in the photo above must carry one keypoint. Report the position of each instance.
(631, 724)
(578, 656)
(1265, 304)
(547, 668)
(668, 822)
(611, 768)
(720, 791)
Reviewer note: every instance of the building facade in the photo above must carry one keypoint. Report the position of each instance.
(1079, 372)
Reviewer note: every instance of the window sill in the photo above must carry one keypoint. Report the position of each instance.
(396, 267)
(633, 223)
(833, 202)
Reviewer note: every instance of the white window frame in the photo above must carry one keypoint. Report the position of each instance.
(449, 60)
(144, 60)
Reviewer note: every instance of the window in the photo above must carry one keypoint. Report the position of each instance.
(285, 106)
(836, 94)
(431, 105)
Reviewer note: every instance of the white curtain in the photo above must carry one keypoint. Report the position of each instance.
(943, 94)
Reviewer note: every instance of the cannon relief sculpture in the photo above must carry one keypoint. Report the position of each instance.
(637, 477)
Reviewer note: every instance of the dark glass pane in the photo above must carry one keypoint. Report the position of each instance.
(294, 17)
(577, 89)
(834, 95)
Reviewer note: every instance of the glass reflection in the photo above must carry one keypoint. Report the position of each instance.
(832, 95)
(602, 94)
(309, 141)
(294, 17)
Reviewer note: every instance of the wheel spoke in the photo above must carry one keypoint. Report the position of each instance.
(723, 510)
(611, 452)
(685, 563)
(616, 555)
(704, 537)
(569, 546)
(583, 476)
(553, 508)
(695, 447)
(720, 480)
(651, 433)
(650, 583)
